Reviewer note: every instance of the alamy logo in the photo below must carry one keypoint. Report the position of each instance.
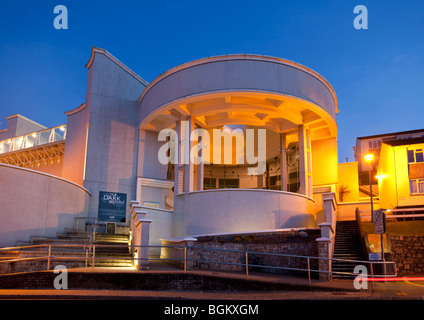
(177, 149)
(361, 20)
(361, 281)
(61, 20)
(61, 281)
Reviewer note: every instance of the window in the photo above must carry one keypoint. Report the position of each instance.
(209, 183)
(416, 186)
(228, 183)
(375, 144)
(415, 156)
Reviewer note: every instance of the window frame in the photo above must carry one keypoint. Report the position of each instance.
(415, 152)
(416, 186)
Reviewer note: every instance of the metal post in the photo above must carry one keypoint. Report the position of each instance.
(309, 272)
(92, 260)
(185, 258)
(247, 263)
(48, 258)
(382, 255)
(371, 195)
(372, 277)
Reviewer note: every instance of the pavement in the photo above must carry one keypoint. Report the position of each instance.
(399, 288)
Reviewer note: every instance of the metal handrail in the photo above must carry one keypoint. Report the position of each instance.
(33, 139)
(395, 213)
(93, 258)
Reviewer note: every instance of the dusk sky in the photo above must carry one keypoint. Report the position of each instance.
(377, 74)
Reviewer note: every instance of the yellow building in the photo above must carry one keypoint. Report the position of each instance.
(401, 173)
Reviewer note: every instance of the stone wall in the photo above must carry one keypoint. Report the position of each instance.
(263, 253)
(408, 253)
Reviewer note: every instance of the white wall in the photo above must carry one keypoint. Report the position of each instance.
(112, 147)
(236, 210)
(37, 204)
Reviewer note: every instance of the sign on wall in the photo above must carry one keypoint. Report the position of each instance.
(112, 206)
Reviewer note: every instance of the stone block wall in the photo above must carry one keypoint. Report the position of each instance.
(229, 254)
(408, 253)
(260, 257)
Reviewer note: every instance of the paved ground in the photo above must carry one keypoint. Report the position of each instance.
(409, 288)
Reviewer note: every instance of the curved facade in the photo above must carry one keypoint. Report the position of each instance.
(41, 205)
(295, 105)
(282, 90)
(240, 210)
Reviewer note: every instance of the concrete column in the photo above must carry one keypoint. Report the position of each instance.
(283, 163)
(305, 161)
(201, 166)
(177, 165)
(200, 176)
(187, 145)
(309, 161)
(324, 264)
(302, 160)
(260, 181)
(143, 252)
(326, 241)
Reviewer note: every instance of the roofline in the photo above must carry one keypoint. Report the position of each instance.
(243, 56)
(25, 118)
(78, 109)
(390, 134)
(405, 142)
(95, 50)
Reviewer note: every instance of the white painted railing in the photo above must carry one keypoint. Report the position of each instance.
(33, 139)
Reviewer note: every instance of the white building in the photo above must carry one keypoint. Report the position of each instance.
(109, 147)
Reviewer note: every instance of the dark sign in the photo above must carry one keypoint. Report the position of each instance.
(112, 206)
(379, 221)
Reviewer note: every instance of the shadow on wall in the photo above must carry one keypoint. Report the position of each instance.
(300, 220)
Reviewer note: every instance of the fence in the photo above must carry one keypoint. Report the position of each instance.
(398, 214)
(85, 256)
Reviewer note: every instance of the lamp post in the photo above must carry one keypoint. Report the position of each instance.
(368, 159)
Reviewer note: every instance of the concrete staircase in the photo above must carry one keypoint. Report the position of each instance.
(348, 247)
(117, 254)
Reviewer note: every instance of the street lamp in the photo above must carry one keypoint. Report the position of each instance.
(369, 157)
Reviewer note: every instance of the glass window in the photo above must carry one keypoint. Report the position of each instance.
(416, 186)
(415, 156)
(413, 186)
(375, 144)
(209, 183)
(411, 156)
(421, 186)
(228, 183)
(419, 155)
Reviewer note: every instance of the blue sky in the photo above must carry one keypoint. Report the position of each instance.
(378, 74)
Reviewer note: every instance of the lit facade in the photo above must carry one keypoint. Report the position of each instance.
(373, 144)
(110, 145)
(401, 173)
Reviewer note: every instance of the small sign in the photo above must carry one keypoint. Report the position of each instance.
(374, 256)
(110, 227)
(379, 221)
(112, 206)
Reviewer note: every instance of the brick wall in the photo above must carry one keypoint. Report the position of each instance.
(408, 253)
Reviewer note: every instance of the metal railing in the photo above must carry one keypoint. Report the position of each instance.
(33, 139)
(88, 255)
(94, 226)
(398, 214)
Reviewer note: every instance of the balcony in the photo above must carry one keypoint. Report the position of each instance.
(36, 147)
